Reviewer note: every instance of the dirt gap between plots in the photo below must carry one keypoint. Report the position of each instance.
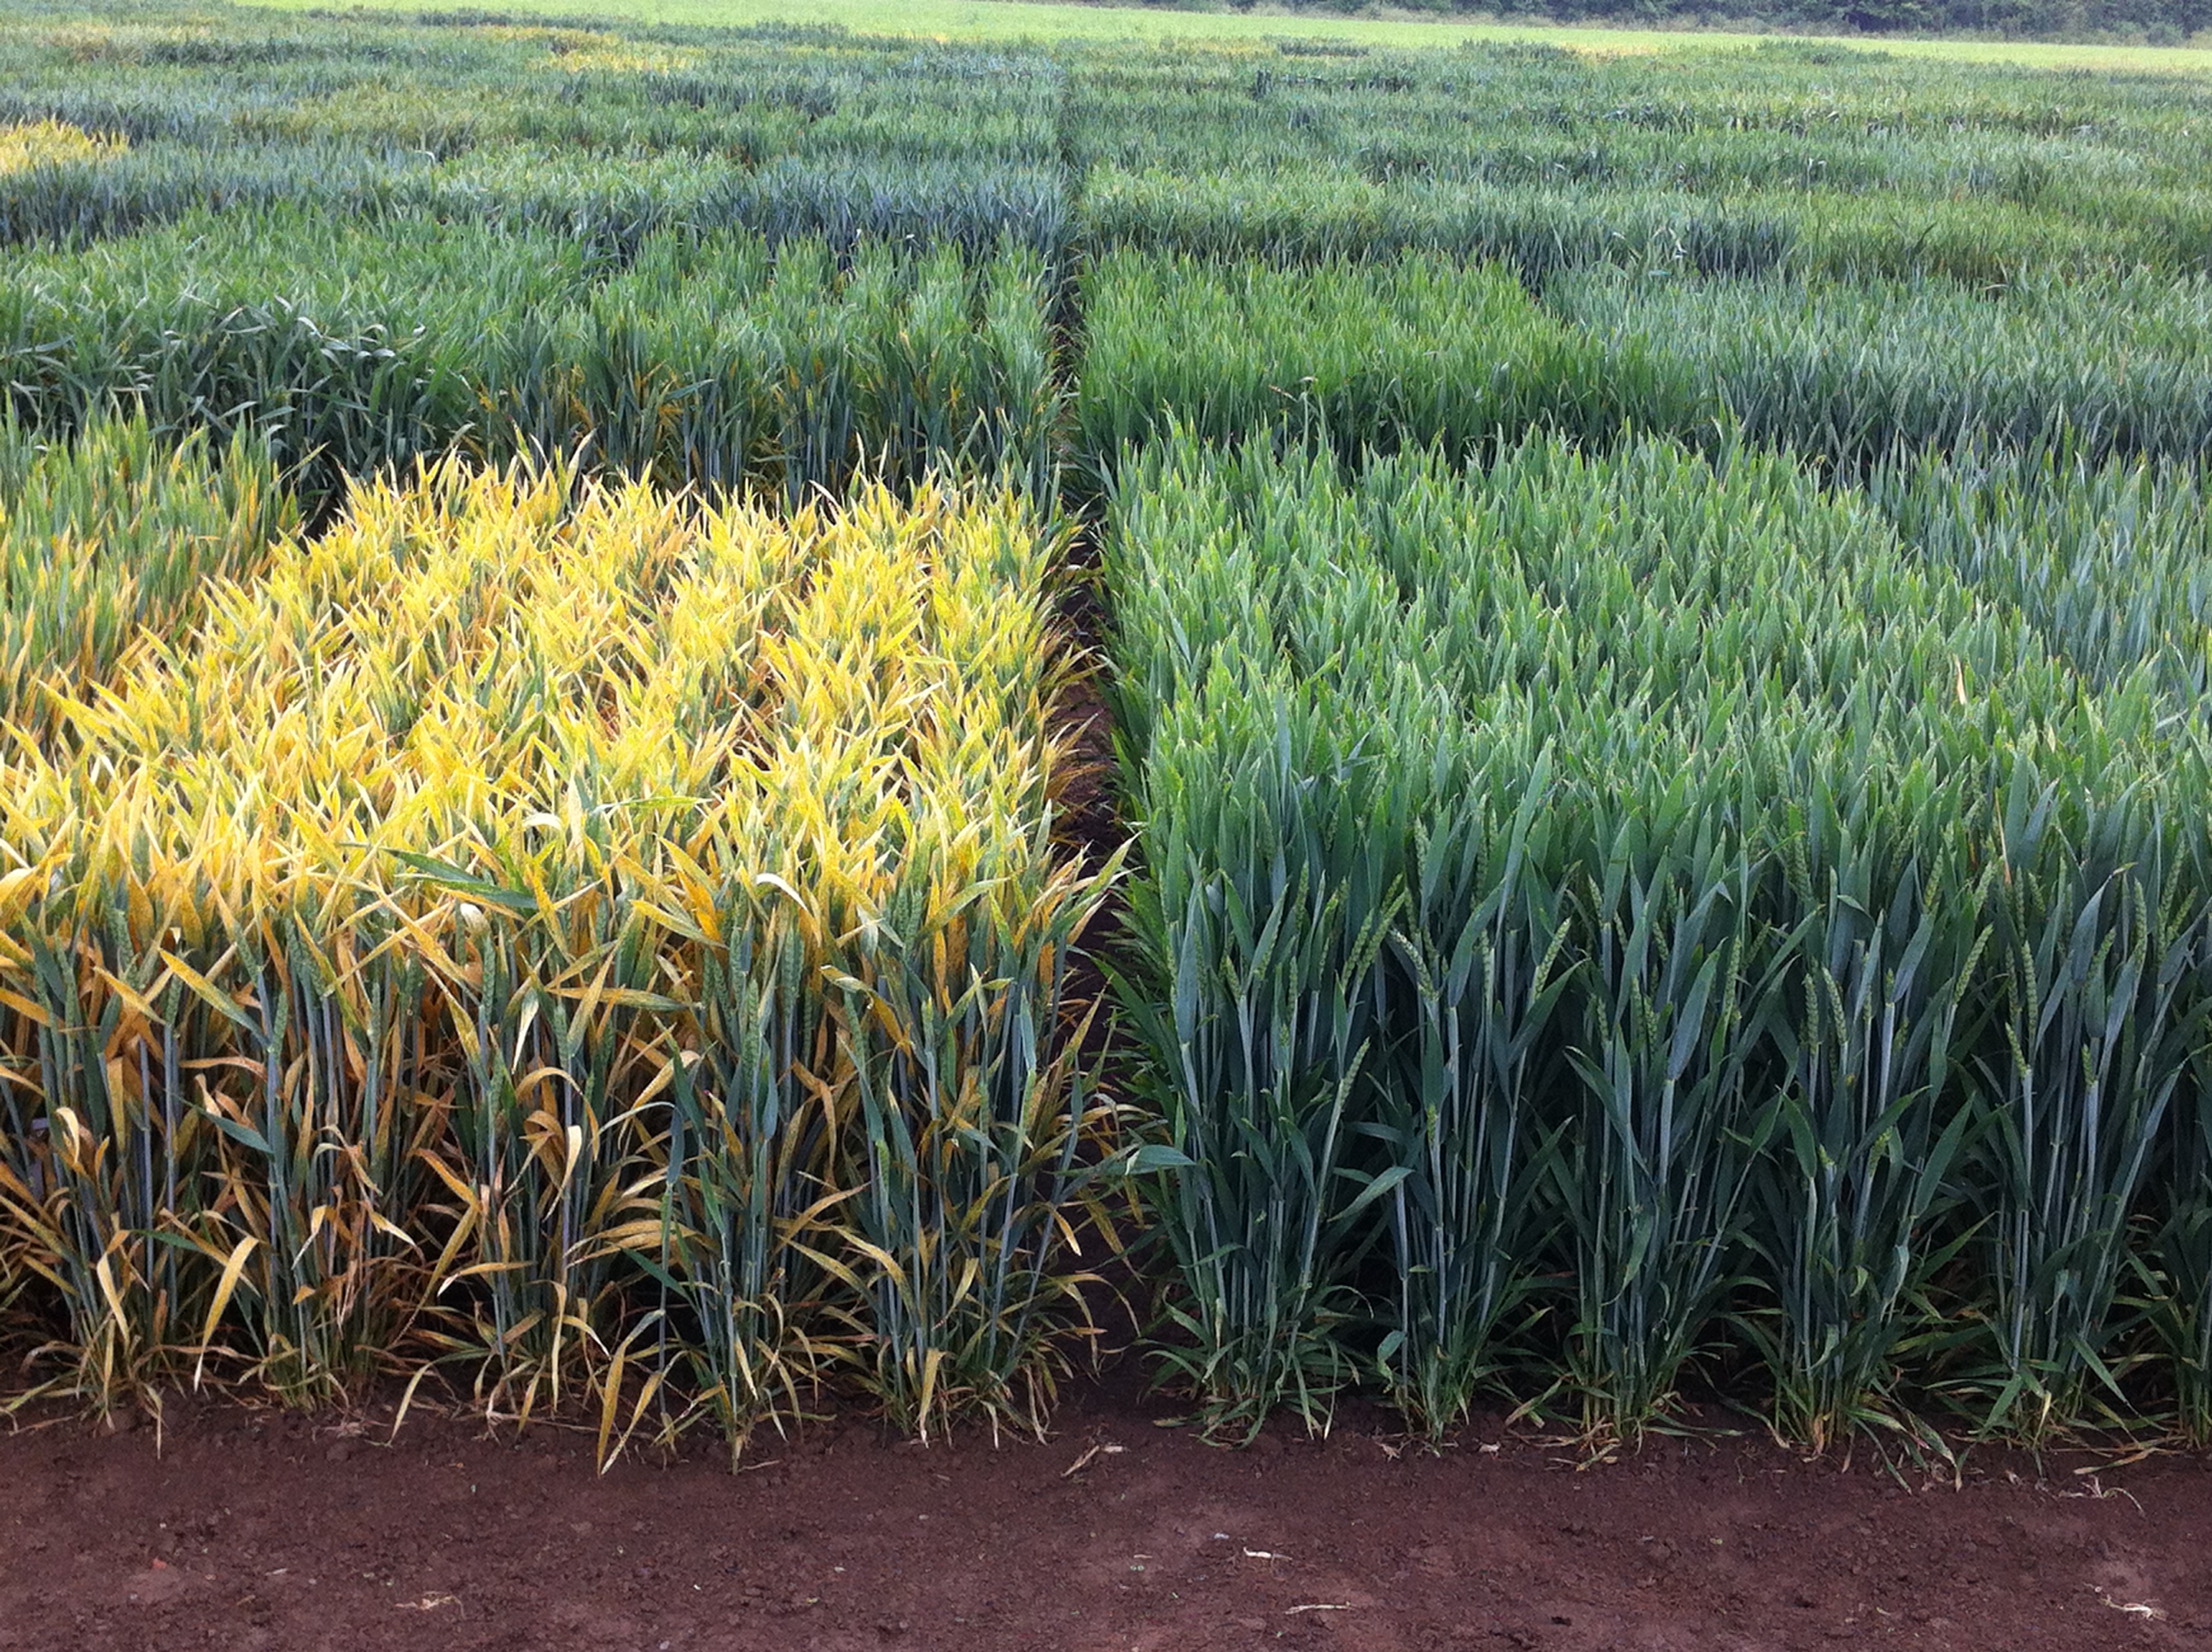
(257, 1529)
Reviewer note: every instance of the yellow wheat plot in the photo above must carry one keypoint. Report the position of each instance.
(52, 142)
(552, 932)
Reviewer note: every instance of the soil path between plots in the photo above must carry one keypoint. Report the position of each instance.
(254, 1530)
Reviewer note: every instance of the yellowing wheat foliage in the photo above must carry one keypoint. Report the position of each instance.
(535, 889)
(495, 663)
(50, 143)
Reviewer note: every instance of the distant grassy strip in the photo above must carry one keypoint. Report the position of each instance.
(1016, 20)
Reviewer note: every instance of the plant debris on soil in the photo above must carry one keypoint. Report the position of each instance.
(256, 1529)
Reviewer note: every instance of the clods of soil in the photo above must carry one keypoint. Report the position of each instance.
(253, 1530)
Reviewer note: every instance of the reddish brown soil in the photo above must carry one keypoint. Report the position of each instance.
(252, 1530)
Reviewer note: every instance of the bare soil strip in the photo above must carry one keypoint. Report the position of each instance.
(252, 1530)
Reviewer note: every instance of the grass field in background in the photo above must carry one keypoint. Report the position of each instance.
(1013, 20)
